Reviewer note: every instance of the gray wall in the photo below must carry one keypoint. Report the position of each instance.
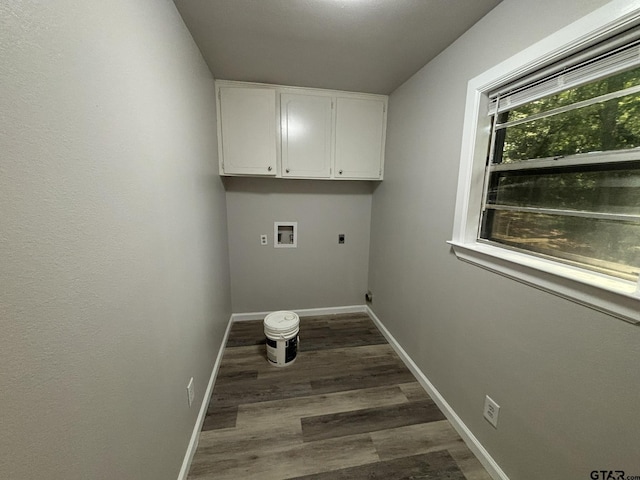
(320, 272)
(113, 245)
(565, 376)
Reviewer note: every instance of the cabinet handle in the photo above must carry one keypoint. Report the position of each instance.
(340, 172)
(287, 170)
(269, 168)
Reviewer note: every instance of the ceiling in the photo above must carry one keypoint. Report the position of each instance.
(357, 45)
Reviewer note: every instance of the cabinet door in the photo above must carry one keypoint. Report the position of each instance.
(306, 135)
(360, 126)
(248, 130)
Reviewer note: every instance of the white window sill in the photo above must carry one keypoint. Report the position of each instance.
(610, 295)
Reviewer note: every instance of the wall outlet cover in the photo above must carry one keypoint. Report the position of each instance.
(491, 411)
(263, 239)
(190, 392)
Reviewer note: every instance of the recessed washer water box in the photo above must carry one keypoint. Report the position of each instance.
(281, 329)
(285, 234)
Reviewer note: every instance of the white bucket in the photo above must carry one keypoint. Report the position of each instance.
(281, 329)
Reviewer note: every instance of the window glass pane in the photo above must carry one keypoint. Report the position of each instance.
(611, 84)
(611, 125)
(607, 246)
(605, 191)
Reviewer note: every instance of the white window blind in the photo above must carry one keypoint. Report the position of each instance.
(616, 54)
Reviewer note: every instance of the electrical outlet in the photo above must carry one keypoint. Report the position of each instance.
(263, 240)
(491, 411)
(341, 238)
(190, 393)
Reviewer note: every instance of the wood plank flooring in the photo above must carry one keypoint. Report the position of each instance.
(347, 408)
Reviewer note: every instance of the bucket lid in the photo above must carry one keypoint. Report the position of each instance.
(281, 321)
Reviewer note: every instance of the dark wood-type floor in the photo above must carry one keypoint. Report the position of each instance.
(347, 408)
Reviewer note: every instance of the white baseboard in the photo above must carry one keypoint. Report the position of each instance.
(195, 435)
(240, 317)
(469, 438)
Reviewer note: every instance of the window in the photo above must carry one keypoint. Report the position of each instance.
(550, 178)
(563, 177)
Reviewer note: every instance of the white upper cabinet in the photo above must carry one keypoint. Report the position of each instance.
(360, 128)
(247, 131)
(306, 133)
(293, 132)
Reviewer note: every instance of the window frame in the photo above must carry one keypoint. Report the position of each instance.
(612, 295)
